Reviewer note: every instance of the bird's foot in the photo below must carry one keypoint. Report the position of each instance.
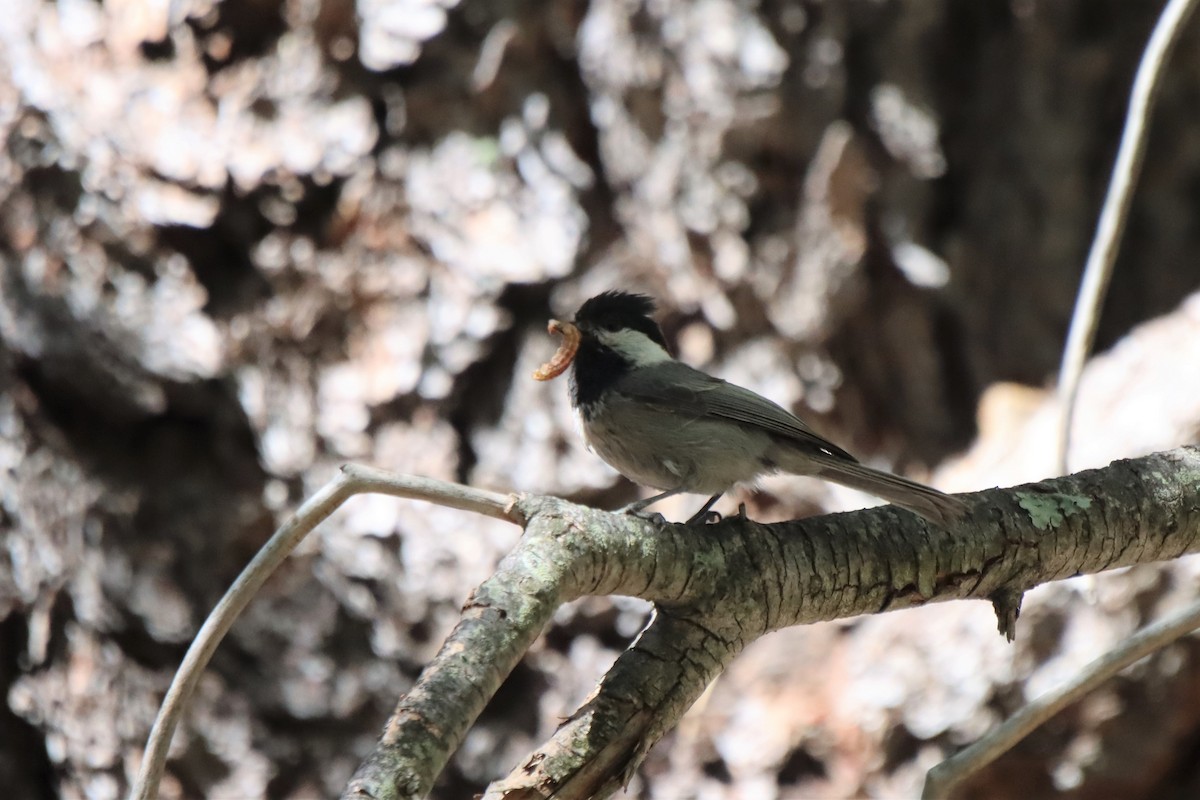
(638, 509)
(706, 517)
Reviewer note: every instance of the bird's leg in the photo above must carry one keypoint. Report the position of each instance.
(701, 516)
(637, 506)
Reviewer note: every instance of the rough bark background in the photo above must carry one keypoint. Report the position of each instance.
(242, 242)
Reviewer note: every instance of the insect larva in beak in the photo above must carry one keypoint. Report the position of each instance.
(564, 355)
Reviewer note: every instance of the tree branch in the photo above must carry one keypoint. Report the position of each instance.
(352, 479)
(946, 776)
(657, 679)
(719, 587)
(1103, 254)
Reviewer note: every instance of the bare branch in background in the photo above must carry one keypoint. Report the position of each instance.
(1098, 271)
(946, 776)
(351, 480)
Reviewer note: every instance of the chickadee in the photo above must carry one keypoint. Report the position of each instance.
(663, 424)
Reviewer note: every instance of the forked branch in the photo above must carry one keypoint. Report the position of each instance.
(717, 588)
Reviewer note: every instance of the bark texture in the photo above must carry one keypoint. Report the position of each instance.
(245, 241)
(718, 588)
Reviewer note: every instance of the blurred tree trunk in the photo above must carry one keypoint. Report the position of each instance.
(242, 241)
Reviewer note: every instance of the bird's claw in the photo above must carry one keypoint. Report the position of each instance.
(653, 517)
(705, 518)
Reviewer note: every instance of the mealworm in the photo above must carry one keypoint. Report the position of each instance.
(564, 355)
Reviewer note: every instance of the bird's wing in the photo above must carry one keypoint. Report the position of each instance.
(690, 393)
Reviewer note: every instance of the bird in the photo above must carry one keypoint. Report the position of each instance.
(666, 425)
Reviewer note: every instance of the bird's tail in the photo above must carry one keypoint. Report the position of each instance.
(935, 506)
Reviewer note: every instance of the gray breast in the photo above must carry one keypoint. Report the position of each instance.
(660, 448)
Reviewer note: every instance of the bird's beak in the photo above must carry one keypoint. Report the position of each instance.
(564, 355)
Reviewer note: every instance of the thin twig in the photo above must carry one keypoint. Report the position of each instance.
(1098, 271)
(944, 777)
(351, 480)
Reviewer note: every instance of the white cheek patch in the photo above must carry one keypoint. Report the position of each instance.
(637, 348)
